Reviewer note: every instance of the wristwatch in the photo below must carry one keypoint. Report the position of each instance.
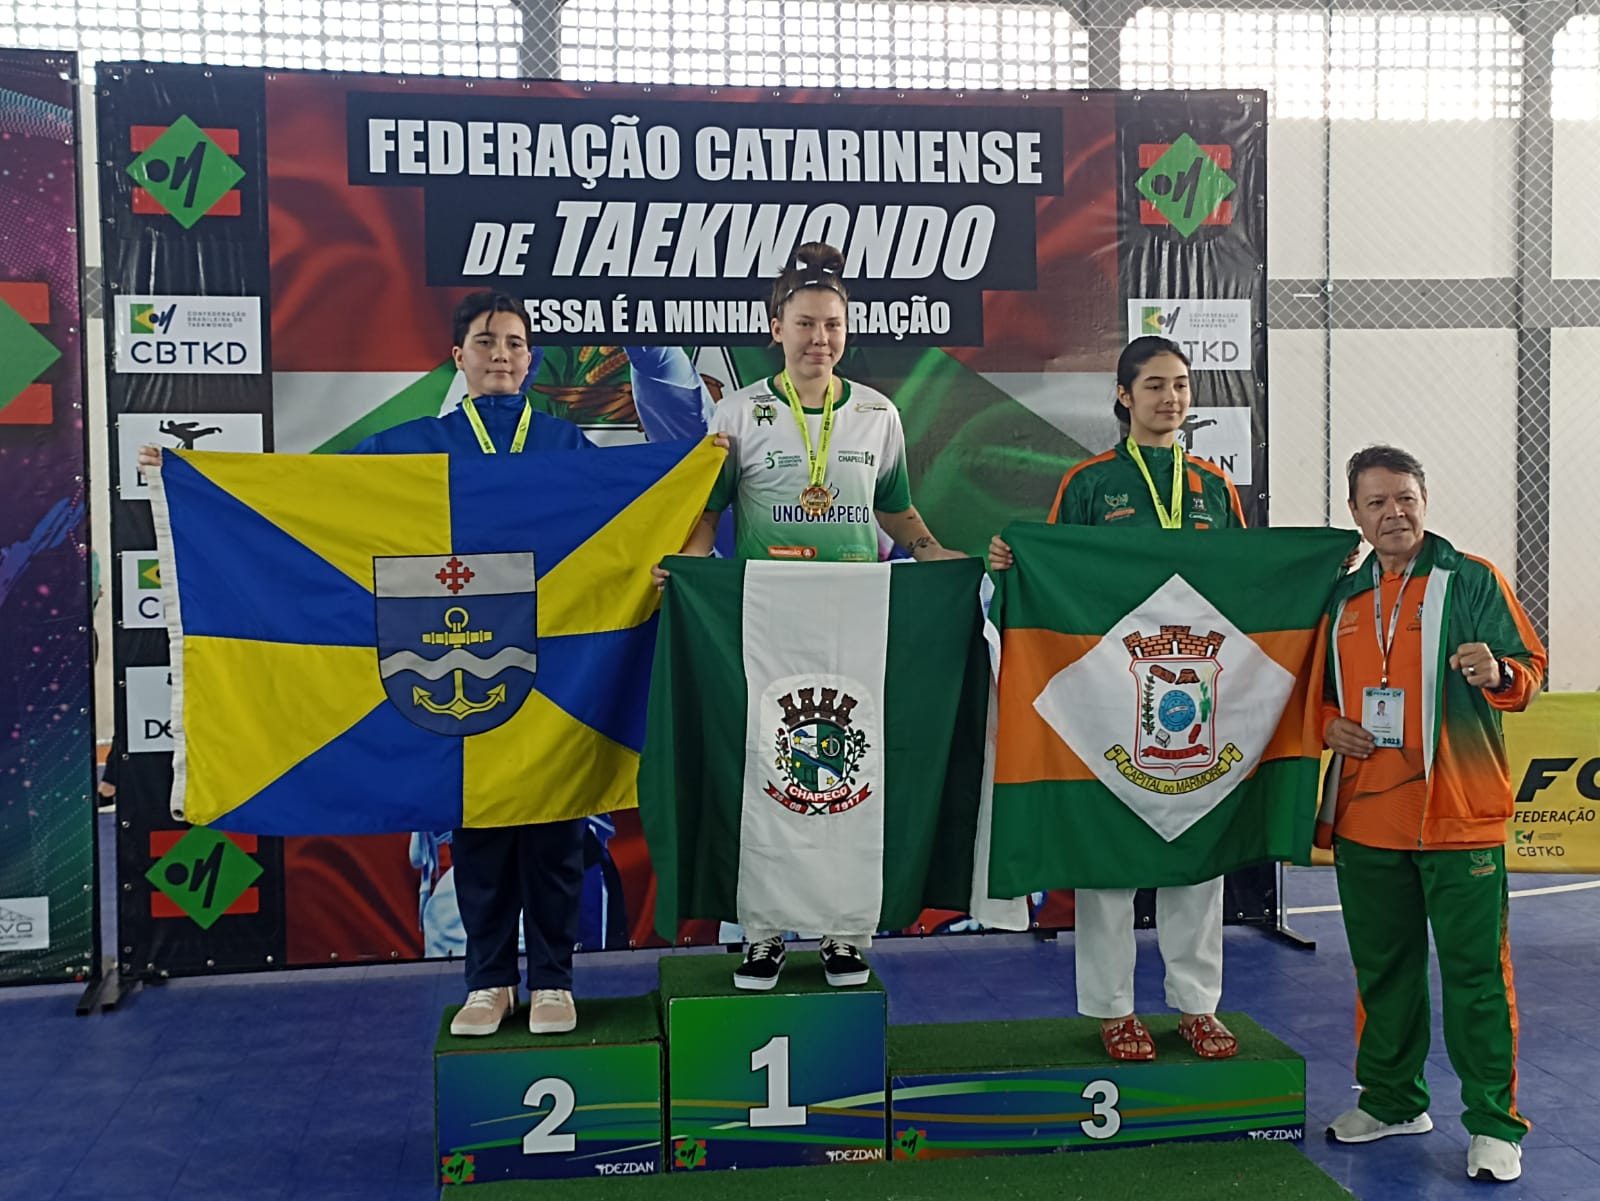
(1505, 677)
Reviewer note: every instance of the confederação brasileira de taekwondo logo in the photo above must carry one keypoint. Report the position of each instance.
(456, 638)
(820, 753)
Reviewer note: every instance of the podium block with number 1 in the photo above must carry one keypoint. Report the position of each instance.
(763, 1079)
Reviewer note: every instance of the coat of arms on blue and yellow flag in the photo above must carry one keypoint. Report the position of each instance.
(372, 643)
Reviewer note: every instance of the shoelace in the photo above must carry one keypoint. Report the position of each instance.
(834, 947)
(767, 948)
(548, 996)
(482, 998)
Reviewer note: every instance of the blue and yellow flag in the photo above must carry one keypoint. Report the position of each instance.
(371, 643)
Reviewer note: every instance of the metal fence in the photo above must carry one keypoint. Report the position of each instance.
(1435, 278)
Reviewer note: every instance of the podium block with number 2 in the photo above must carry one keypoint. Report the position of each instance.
(762, 1079)
(518, 1106)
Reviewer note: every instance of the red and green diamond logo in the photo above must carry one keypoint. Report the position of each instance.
(457, 1169)
(1185, 185)
(910, 1143)
(25, 354)
(689, 1153)
(186, 171)
(204, 874)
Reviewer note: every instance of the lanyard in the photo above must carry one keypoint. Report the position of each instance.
(816, 461)
(1386, 641)
(518, 440)
(1169, 520)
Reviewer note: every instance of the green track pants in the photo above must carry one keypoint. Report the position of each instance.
(1390, 898)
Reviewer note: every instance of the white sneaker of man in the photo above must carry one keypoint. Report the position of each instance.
(485, 1009)
(1490, 1158)
(1359, 1126)
(553, 1012)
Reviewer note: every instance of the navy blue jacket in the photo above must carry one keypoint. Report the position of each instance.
(452, 434)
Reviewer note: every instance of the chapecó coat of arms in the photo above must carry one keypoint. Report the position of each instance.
(819, 753)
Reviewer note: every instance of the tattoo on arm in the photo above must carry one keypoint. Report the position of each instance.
(922, 543)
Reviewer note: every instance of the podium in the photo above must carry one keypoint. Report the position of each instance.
(763, 1079)
(517, 1106)
(807, 1074)
(1015, 1088)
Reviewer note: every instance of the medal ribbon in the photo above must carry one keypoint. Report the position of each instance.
(816, 461)
(518, 440)
(1169, 520)
(1385, 642)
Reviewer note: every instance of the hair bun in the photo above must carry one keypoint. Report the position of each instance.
(820, 257)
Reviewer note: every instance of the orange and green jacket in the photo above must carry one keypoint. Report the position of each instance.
(1467, 796)
(1110, 490)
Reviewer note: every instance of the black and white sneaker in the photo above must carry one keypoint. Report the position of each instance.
(842, 964)
(763, 964)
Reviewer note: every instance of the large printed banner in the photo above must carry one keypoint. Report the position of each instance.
(46, 731)
(1554, 747)
(286, 250)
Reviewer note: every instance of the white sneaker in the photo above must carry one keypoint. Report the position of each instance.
(485, 1009)
(553, 1012)
(1490, 1158)
(1359, 1126)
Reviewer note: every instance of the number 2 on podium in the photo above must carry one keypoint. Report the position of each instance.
(774, 1060)
(543, 1139)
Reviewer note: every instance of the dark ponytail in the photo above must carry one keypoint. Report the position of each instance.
(816, 265)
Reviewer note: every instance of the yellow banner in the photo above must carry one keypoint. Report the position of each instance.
(1554, 748)
(1555, 773)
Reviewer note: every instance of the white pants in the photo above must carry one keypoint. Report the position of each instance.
(1188, 931)
(759, 934)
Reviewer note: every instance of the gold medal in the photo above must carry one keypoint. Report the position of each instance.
(816, 500)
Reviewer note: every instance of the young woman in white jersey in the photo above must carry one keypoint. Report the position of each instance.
(817, 465)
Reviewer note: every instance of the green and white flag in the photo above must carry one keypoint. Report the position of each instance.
(814, 751)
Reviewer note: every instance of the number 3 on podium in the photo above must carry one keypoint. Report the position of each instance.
(774, 1060)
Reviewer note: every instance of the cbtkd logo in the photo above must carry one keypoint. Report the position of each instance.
(193, 355)
(202, 335)
(149, 319)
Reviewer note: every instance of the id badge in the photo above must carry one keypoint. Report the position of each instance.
(1383, 715)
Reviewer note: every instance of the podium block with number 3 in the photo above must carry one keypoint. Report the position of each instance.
(518, 1106)
(1013, 1088)
(762, 1079)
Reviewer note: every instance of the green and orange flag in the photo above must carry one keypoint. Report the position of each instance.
(1159, 703)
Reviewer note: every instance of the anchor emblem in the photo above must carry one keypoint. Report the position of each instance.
(457, 635)
(443, 619)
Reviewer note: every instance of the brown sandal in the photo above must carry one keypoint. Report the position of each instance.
(1122, 1038)
(1207, 1029)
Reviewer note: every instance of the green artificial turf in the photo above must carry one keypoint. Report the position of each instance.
(1240, 1171)
(602, 1022)
(1049, 1043)
(712, 976)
